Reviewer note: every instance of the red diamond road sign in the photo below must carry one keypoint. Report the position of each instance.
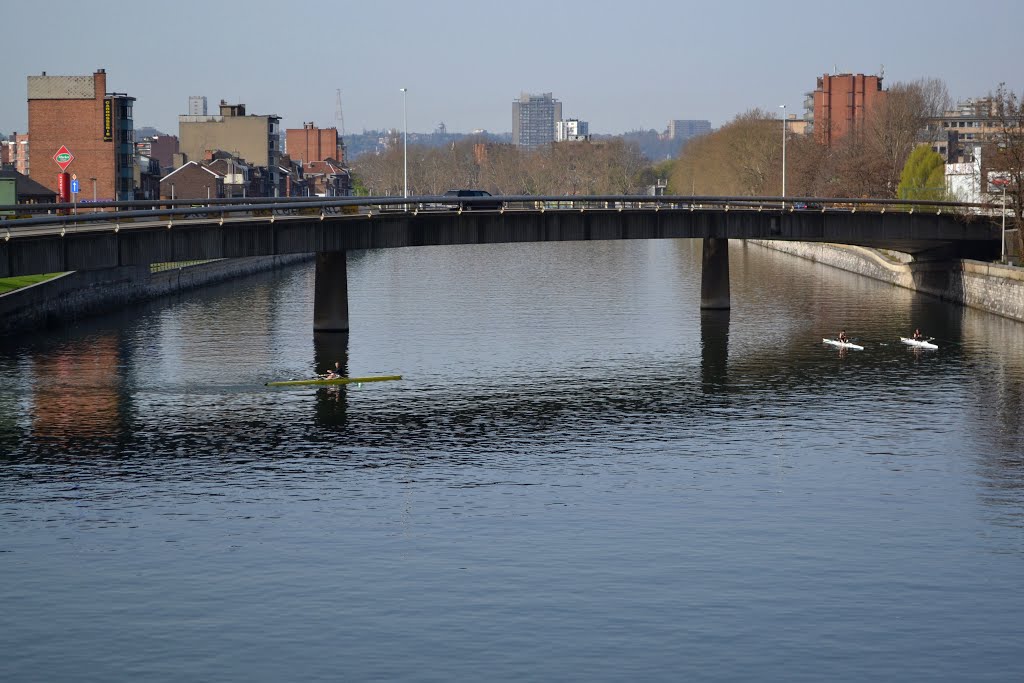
(63, 157)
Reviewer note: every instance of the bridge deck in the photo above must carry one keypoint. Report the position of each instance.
(98, 242)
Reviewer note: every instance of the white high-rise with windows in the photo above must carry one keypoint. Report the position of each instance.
(572, 130)
(197, 105)
(533, 120)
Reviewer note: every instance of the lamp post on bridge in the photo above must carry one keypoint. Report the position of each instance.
(785, 125)
(405, 144)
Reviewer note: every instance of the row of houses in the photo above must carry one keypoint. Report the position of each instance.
(78, 131)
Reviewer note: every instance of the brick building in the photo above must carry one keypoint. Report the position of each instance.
(94, 125)
(327, 179)
(21, 153)
(310, 143)
(7, 153)
(192, 181)
(252, 138)
(236, 174)
(842, 103)
(161, 148)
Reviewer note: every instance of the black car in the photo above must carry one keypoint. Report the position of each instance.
(483, 205)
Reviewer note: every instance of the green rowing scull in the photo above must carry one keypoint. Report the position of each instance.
(338, 380)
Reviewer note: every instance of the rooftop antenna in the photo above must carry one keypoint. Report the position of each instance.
(339, 116)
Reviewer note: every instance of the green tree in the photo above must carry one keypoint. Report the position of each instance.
(924, 176)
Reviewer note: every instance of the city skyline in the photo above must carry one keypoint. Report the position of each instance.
(463, 65)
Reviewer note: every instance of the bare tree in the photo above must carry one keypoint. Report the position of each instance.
(904, 120)
(1004, 155)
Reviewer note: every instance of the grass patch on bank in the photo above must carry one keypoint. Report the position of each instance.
(9, 284)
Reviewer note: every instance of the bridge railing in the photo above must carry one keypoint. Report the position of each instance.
(35, 219)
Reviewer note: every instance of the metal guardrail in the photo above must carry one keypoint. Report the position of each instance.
(178, 265)
(38, 219)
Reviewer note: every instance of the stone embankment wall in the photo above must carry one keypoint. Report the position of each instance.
(990, 287)
(77, 294)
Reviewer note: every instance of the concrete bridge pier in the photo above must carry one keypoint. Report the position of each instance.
(714, 281)
(330, 292)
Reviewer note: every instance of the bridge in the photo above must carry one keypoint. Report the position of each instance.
(112, 234)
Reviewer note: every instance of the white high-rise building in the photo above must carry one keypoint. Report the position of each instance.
(197, 105)
(684, 129)
(572, 130)
(533, 120)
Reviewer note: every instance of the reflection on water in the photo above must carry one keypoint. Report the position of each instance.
(78, 392)
(714, 353)
(330, 352)
(581, 475)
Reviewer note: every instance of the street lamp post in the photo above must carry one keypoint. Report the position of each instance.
(784, 127)
(405, 144)
(1002, 182)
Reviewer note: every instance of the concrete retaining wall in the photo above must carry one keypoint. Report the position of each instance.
(82, 293)
(990, 287)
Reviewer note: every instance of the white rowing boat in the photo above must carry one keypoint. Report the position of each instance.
(918, 343)
(843, 345)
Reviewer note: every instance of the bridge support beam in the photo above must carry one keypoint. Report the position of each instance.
(714, 280)
(330, 292)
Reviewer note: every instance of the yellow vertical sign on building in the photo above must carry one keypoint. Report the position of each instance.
(108, 120)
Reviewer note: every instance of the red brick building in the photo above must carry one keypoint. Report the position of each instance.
(327, 179)
(843, 102)
(310, 143)
(95, 126)
(192, 181)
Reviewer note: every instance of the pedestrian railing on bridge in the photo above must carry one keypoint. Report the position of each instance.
(49, 219)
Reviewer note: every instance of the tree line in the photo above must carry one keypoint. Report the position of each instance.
(570, 168)
(744, 157)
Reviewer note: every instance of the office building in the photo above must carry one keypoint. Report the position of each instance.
(197, 105)
(959, 132)
(96, 127)
(843, 103)
(684, 129)
(252, 138)
(533, 120)
(572, 130)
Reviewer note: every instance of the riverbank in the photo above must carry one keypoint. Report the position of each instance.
(986, 286)
(78, 294)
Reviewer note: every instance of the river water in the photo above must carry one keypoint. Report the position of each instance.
(580, 477)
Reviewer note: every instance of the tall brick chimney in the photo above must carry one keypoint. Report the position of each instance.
(99, 80)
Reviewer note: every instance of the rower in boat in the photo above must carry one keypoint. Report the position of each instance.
(333, 374)
(917, 335)
(843, 338)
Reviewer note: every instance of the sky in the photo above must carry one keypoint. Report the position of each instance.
(618, 65)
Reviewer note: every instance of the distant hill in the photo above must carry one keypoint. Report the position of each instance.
(147, 132)
(375, 141)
